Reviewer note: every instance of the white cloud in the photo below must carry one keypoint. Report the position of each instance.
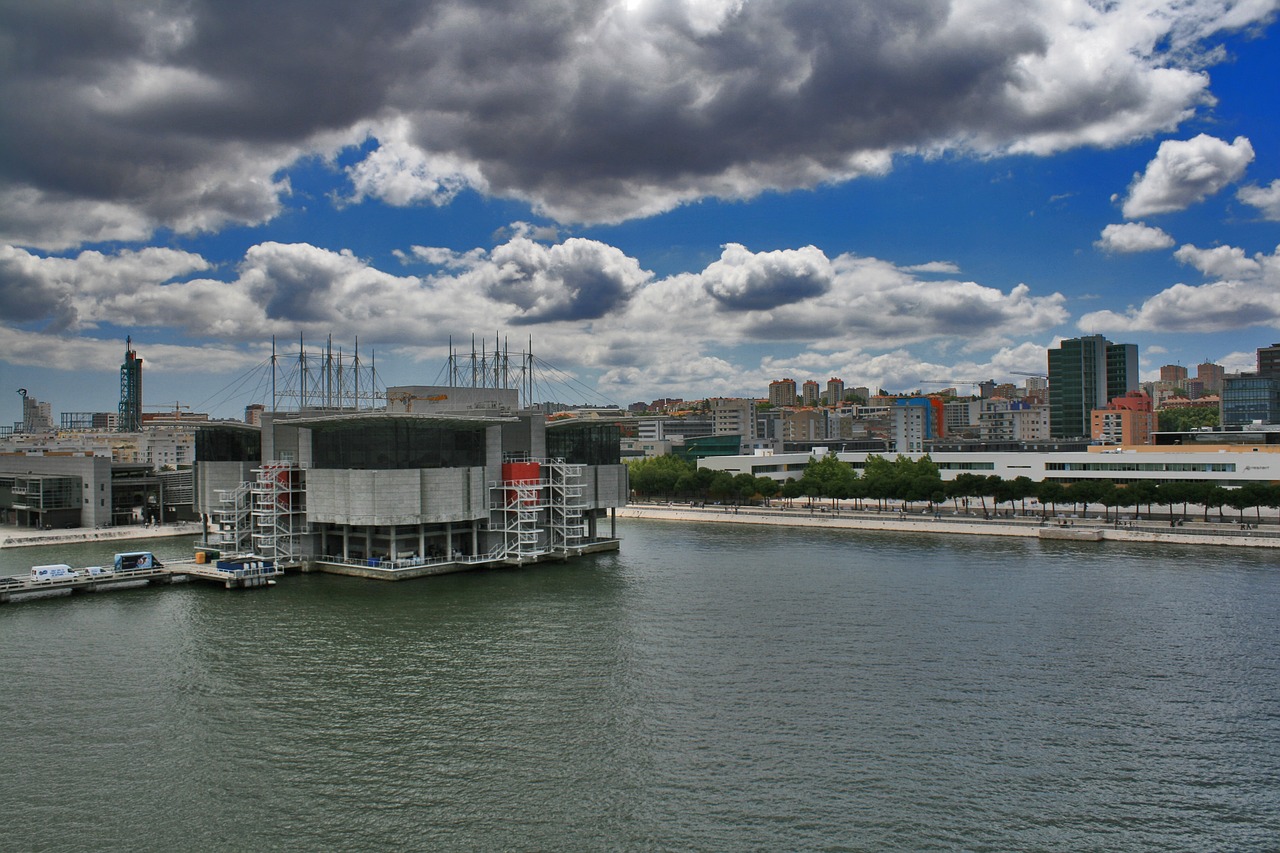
(742, 280)
(1129, 237)
(1186, 172)
(1220, 261)
(1214, 307)
(38, 349)
(1266, 199)
(400, 173)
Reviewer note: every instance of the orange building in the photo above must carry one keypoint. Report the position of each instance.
(1128, 420)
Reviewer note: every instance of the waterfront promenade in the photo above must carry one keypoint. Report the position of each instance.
(1088, 526)
(17, 537)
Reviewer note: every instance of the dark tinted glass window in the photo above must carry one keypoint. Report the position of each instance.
(228, 445)
(396, 444)
(595, 444)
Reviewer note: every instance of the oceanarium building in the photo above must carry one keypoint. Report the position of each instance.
(441, 479)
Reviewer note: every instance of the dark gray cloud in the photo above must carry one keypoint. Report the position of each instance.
(124, 116)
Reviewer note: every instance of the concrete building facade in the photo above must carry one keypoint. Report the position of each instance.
(470, 486)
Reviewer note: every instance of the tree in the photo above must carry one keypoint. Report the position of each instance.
(1144, 492)
(828, 478)
(1213, 497)
(1091, 492)
(744, 488)
(767, 487)
(792, 489)
(1023, 488)
(722, 487)
(1050, 493)
(878, 479)
(658, 475)
(1185, 420)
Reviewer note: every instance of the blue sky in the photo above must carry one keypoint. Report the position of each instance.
(670, 198)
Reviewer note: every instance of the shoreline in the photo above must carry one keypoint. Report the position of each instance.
(21, 537)
(1082, 529)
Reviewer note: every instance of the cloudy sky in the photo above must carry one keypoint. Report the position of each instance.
(669, 197)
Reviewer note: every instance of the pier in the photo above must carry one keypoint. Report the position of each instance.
(21, 587)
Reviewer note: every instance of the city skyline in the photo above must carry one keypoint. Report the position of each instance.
(667, 198)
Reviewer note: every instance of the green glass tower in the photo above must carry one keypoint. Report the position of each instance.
(1085, 374)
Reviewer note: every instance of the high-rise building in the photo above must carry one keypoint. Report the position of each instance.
(835, 391)
(1174, 373)
(782, 392)
(1211, 376)
(130, 390)
(36, 416)
(1269, 361)
(809, 393)
(915, 421)
(733, 416)
(1085, 374)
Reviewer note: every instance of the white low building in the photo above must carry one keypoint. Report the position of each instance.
(1227, 466)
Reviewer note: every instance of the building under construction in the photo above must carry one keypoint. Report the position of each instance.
(435, 479)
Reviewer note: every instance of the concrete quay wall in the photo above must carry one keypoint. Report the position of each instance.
(1077, 529)
(17, 537)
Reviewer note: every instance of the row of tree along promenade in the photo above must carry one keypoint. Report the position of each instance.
(916, 486)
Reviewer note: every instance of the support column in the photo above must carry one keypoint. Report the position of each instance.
(422, 539)
(448, 539)
(475, 548)
(395, 539)
(346, 541)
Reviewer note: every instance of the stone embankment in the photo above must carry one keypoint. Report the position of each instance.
(16, 537)
(1087, 527)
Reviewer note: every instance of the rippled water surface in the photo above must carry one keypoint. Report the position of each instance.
(707, 688)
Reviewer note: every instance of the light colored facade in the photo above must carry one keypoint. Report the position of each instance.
(961, 416)
(782, 392)
(1224, 465)
(1012, 420)
(910, 425)
(809, 393)
(804, 425)
(733, 416)
(659, 429)
(36, 416)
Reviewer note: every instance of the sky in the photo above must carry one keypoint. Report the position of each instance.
(664, 198)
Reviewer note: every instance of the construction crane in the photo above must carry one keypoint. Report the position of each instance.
(976, 383)
(175, 410)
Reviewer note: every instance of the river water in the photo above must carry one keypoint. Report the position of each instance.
(709, 687)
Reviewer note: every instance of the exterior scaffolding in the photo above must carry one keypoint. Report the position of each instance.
(517, 509)
(279, 512)
(233, 521)
(538, 508)
(565, 506)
